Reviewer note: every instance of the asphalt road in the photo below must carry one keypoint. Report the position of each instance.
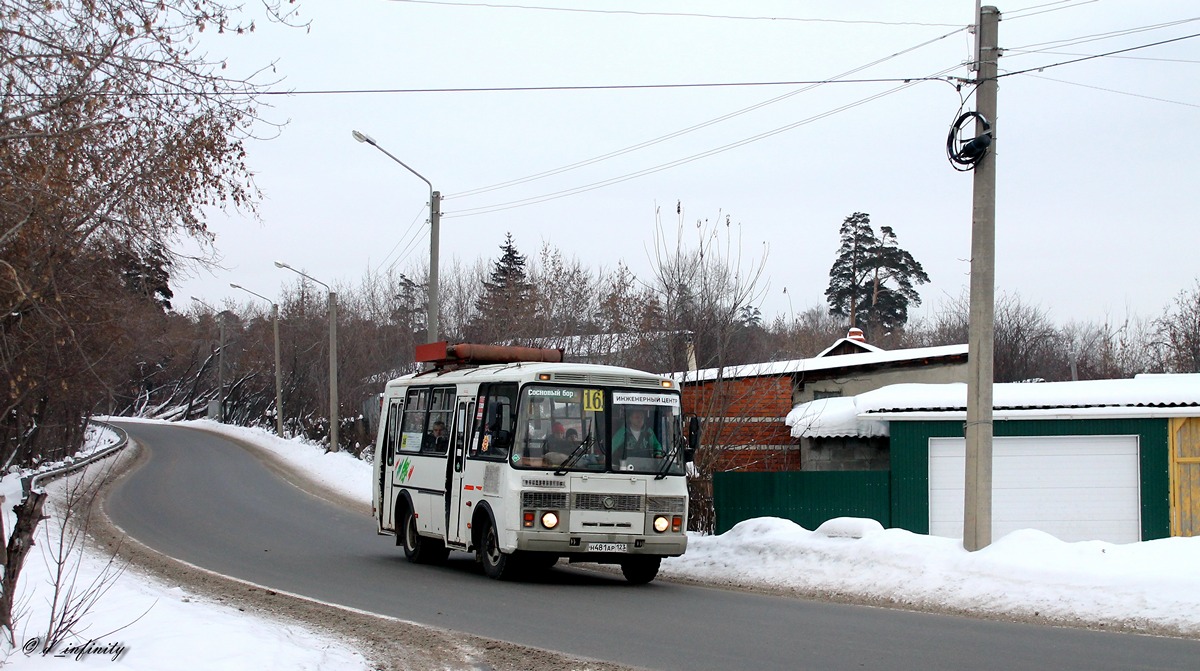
(208, 501)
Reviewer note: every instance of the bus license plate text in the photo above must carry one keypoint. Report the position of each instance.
(608, 547)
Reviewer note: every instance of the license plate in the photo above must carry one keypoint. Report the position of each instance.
(608, 547)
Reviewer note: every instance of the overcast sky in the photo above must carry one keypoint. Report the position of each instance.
(1097, 203)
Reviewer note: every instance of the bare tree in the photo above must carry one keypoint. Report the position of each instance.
(73, 596)
(115, 132)
(459, 290)
(1178, 329)
(703, 285)
(706, 291)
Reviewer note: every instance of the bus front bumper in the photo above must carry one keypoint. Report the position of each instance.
(609, 545)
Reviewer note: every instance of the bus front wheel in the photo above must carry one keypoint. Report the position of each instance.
(640, 570)
(496, 564)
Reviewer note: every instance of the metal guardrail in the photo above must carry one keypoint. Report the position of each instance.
(30, 482)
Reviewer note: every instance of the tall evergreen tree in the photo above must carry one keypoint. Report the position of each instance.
(847, 277)
(872, 281)
(506, 307)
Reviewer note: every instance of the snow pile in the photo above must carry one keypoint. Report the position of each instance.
(1025, 573)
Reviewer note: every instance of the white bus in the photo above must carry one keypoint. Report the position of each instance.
(523, 460)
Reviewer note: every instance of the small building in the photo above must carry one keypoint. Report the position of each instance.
(744, 407)
(1113, 460)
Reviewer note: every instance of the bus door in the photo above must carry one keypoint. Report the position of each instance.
(455, 471)
(387, 464)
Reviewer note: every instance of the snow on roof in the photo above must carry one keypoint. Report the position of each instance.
(775, 368)
(1160, 391)
(833, 418)
(861, 415)
(856, 343)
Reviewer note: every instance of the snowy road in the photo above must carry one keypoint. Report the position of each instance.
(208, 501)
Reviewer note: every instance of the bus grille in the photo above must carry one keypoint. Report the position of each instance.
(544, 500)
(619, 502)
(665, 504)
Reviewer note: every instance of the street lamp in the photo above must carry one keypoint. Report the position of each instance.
(333, 395)
(278, 375)
(220, 359)
(435, 217)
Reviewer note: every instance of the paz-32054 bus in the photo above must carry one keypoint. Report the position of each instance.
(523, 460)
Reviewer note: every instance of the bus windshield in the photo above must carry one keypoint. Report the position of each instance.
(598, 430)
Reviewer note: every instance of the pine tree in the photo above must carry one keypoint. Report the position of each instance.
(872, 281)
(506, 307)
(848, 275)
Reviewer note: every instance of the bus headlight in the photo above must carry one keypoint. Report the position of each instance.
(549, 520)
(661, 523)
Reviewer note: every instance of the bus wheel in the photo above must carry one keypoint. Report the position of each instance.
(419, 549)
(496, 564)
(640, 570)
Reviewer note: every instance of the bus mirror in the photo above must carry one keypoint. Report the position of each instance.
(693, 439)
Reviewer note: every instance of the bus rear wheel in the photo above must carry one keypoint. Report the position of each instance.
(417, 548)
(496, 564)
(640, 570)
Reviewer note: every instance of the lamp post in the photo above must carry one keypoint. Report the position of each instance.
(435, 216)
(278, 374)
(220, 359)
(333, 395)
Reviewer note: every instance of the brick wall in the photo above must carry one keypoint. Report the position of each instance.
(744, 422)
(743, 397)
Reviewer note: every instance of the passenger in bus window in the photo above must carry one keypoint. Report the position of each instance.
(557, 442)
(635, 439)
(436, 440)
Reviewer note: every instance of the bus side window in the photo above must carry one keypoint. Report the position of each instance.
(437, 434)
(412, 432)
(498, 421)
(392, 438)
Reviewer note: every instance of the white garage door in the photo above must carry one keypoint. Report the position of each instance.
(1072, 487)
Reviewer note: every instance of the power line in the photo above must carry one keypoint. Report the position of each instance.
(1071, 41)
(631, 12)
(401, 239)
(679, 133)
(486, 209)
(485, 89)
(596, 87)
(1088, 58)
(1131, 58)
(1108, 90)
(1012, 15)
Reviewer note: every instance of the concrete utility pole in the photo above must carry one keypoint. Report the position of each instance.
(977, 503)
(334, 446)
(435, 225)
(333, 390)
(435, 222)
(278, 374)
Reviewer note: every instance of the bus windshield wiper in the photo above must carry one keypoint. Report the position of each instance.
(667, 460)
(575, 454)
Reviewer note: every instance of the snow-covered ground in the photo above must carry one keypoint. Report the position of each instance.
(1150, 585)
(160, 626)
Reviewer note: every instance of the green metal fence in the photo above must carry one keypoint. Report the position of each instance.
(808, 498)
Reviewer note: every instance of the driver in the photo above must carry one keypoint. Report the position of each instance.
(635, 439)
